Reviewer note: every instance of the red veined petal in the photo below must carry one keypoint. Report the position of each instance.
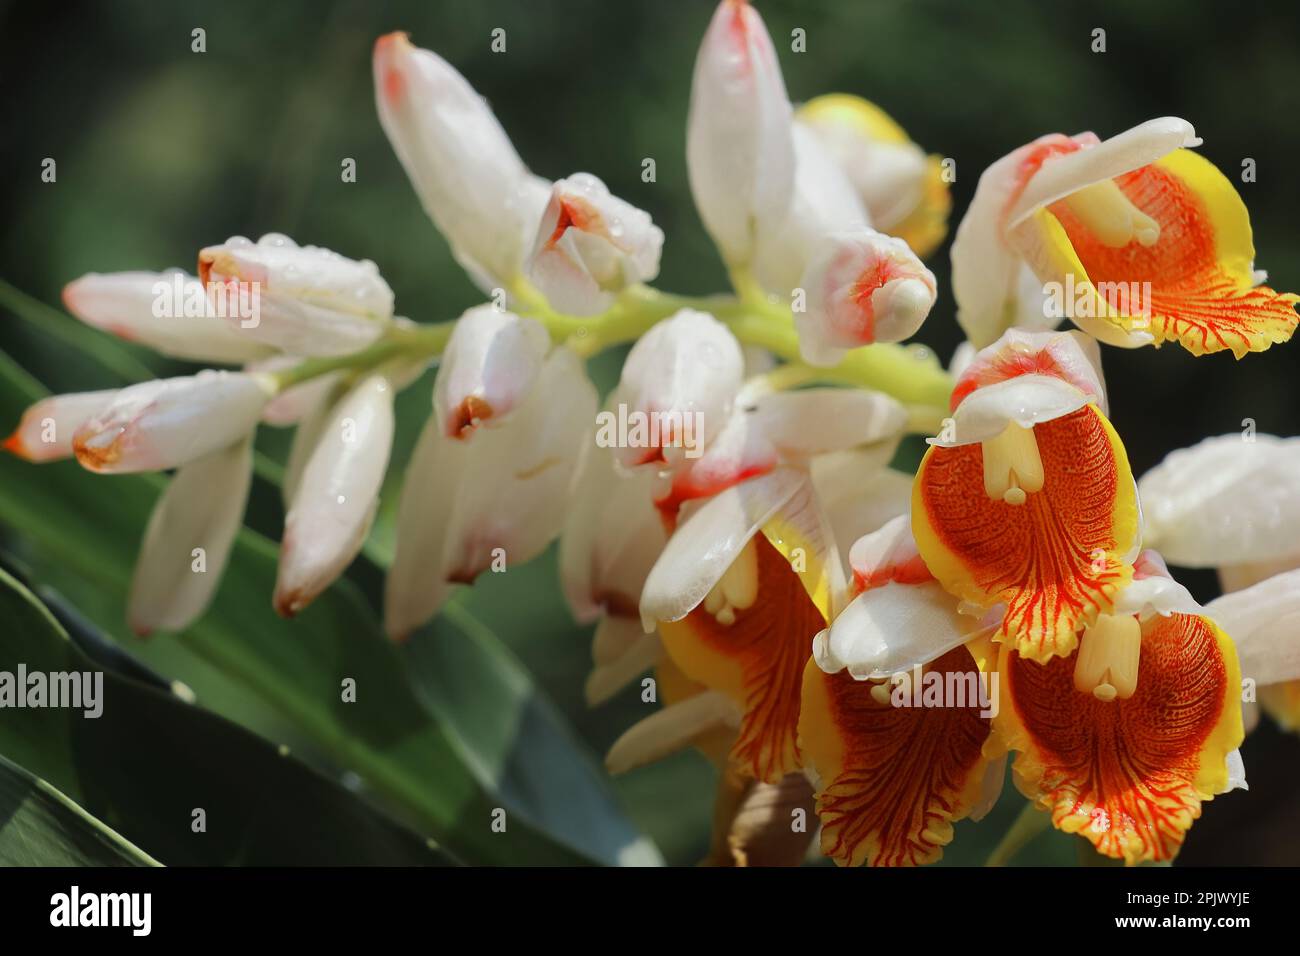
(1129, 775)
(757, 661)
(1057, 560)
(894, 779)
(1203, 291)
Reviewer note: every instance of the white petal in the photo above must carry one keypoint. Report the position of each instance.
(168, 422)
(201, 508)
(1227, 500)
(890, 629)
(45, 431)
(414, 588)
(305, 439)
(1069, 356)
(859, 494)
(838, 316)
(816, 421)
(335, 499)
(880, 555)
(308, 274)
(705, 545)
(1026, 401)
(985, 269)
(488, 368)
(1263, 621)
(823, 202)
(516, 490)
(170, 312)
(1236, 772)
(467, 174)
(304, 328)
(1132, 149)
(1154, 591)
(612, 536)
(888, 174)
(739, 145)
(669, 730)
(590, 246)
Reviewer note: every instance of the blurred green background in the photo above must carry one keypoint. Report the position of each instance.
(161, 151)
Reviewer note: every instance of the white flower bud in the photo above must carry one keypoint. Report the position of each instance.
(686, 365)
(167, 422)
(334, 500)
(739, 150)
(202, 508)
(46, 429)
(306, 300)
(590, 246)
(467, 174)
(494, 502)
(863, 287)
(487, 369)
(169, 312)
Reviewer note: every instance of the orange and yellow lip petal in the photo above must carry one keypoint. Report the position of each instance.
(1201, 269)
(1057, 560)
(894, 779)
(1282, 703)
(757, 661)
(1129, 775)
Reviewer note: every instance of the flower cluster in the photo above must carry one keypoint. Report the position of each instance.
(811, 615)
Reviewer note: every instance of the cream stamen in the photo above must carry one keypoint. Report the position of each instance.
(1107, 662)
(1013, 468)
(1111, 216)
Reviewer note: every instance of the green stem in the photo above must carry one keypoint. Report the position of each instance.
(910, 374)
(398, 342)
(1029, 824)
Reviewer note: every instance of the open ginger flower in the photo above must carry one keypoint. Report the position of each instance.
(1152, 238)
(1026, 497)
(1124, 739)
(892, 777)
(752, 572)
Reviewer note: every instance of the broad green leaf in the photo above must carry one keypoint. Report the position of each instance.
(39, 826)
(270, 674)
(149, 759)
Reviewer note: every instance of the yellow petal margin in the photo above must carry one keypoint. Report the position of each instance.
(1196, 285)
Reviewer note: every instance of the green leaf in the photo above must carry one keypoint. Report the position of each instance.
(39, 826)
(149, 759)
(79, 534)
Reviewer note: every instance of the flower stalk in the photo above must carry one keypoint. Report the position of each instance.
(909, 374)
